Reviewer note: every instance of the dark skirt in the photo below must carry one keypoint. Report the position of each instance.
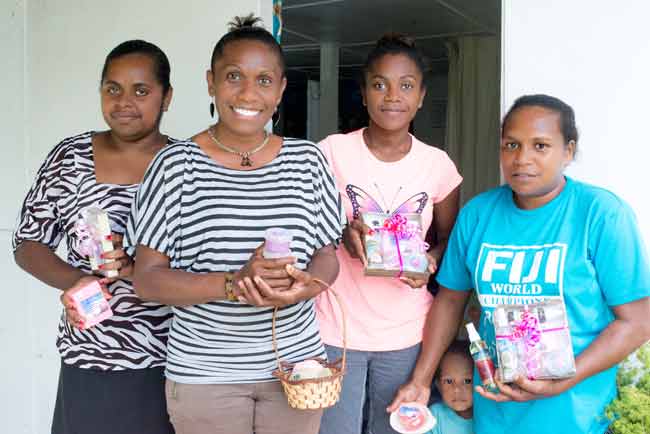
(111, 402)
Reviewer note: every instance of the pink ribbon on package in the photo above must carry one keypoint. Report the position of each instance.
(402, 229)
(527, 329)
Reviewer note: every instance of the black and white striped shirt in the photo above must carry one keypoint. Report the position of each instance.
(208, 218)
(135, 336)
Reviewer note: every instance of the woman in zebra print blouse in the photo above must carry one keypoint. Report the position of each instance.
(111, 377)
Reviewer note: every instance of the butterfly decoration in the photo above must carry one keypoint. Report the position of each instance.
(363, 202)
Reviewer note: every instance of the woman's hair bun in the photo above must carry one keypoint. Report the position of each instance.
(240, 23)
(392, 39)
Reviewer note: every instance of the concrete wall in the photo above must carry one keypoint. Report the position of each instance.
(53, 52)
(595, 55)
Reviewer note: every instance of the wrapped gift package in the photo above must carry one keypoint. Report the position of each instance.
(533, 341)
(93, 231)
(395, 246)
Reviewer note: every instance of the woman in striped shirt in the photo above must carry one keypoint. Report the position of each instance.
(198, 223)
(111, 378)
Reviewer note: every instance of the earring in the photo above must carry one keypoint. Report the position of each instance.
(275, 124)
(211, 109)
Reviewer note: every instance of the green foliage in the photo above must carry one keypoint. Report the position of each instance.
(643, 354)
(627, 376)
(644, 384)
(630, 411)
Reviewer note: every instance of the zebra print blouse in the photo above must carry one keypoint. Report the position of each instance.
(135, 336)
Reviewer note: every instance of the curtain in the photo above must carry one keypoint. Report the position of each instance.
(473, 111)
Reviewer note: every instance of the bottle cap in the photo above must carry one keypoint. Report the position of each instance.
(472, 333)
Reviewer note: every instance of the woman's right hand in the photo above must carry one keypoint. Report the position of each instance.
(273, 271)
(120, 261)
(353, 236)
(71, 313)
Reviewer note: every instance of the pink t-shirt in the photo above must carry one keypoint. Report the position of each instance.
(382, 313)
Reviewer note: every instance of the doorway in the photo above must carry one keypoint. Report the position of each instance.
(460, 41)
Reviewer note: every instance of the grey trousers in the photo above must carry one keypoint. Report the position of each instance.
(380, 373)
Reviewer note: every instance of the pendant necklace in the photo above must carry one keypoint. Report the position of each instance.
(245, 155)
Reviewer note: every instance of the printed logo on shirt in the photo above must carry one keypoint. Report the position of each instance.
(363, 202)
(510, 274)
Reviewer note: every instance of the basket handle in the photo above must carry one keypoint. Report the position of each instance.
(345, 334)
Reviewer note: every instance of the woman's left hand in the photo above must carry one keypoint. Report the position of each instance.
(121, 261)
(419, 283)
(257, 292)
(523, 389)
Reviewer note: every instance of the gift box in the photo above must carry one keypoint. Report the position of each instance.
(91, 304)
(533, 341)
(395, 245)
(93, 230)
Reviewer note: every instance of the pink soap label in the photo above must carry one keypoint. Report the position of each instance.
(91, 304)
(277, 242)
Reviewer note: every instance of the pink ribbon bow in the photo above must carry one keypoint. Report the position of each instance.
(527, 330)
(402, 229)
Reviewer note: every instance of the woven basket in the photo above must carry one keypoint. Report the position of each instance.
(312, 393)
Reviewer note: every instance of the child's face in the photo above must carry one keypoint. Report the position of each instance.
(455, 383)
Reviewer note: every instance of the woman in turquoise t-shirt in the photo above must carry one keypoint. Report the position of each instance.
(544, 236)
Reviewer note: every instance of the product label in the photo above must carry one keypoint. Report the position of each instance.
(485, 368)
(93, 305)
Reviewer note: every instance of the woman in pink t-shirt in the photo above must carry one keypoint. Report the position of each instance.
(383, 167)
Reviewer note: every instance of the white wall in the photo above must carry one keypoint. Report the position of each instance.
(595, 55)
(54, 50)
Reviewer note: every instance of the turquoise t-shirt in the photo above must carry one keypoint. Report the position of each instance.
(583, 246)
(448, 421)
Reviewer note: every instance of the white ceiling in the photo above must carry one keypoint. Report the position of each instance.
(356, 24)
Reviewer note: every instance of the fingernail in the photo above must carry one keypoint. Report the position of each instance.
(109, 237)
(101, 266)
(101, 255)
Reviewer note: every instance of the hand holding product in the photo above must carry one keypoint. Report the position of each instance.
(93, 232)
(90, 303)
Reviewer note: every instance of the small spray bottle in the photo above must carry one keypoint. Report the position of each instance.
(482, 359)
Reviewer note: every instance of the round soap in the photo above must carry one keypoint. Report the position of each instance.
(412, 418)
